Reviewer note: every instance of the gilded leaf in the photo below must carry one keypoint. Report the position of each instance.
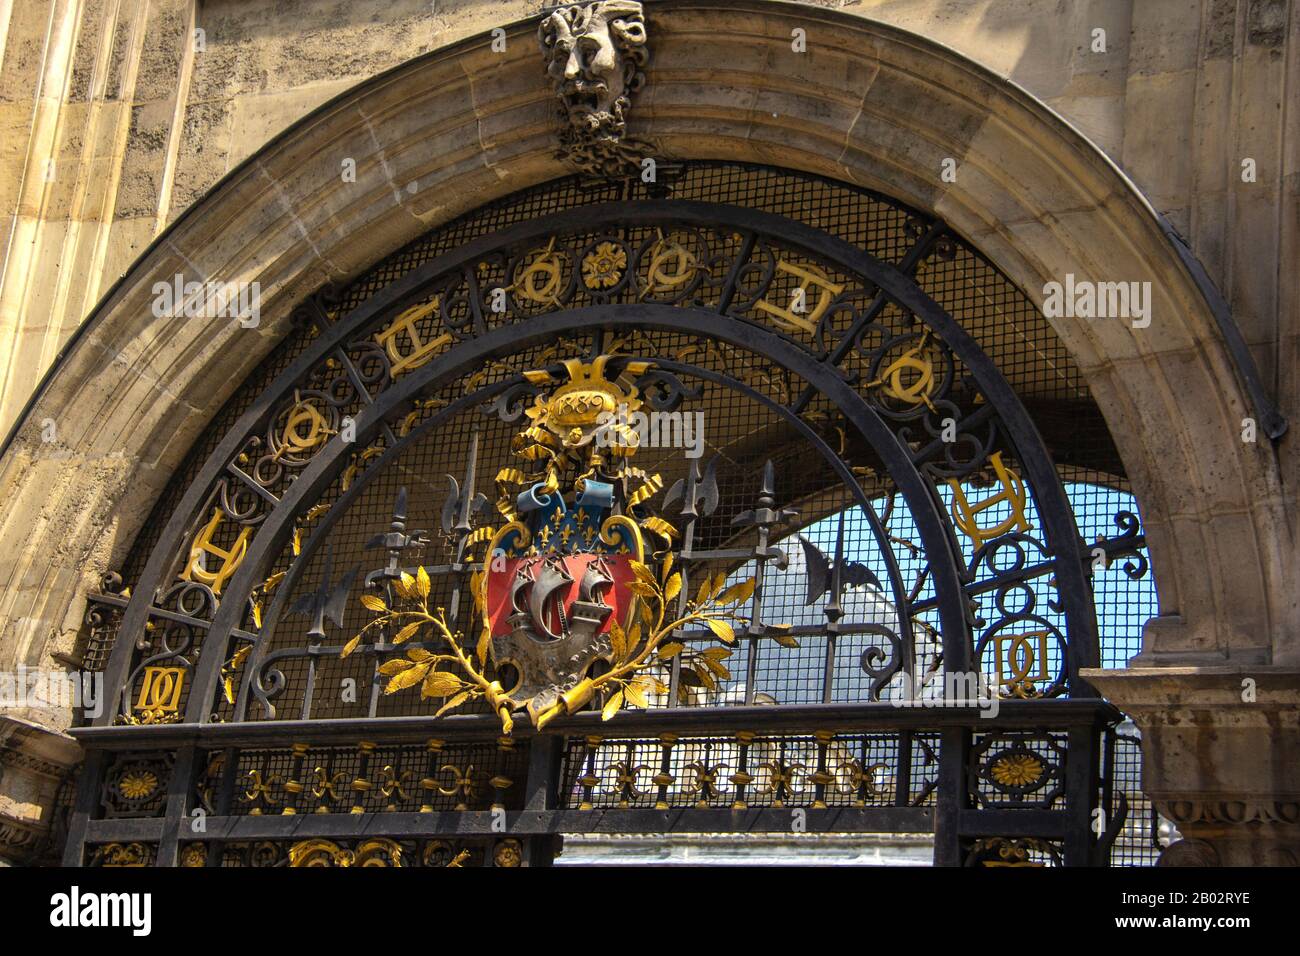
(705, 678)
(738, 593)
(422, 583)
(230, 690)
(716, 653)
(636, 693)
(452, 703)
(670, 650)
(418, 654)
(440, 684)
(406, 633)
(702, 594)
(717, 669)
(481, 650)
(407, 678)
(617, 641)
(785, 639)
(673, 587)
(668, 565)
(395, 666)
(611, 706)
(350, 646)
(374, 602)
(642, 589)
(722, 629)
(643, 573)
(719, 583)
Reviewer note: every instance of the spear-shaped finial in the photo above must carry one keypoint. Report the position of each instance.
(396, 540)
(327, 601)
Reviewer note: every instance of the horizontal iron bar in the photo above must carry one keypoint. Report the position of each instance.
(448, 823)
(724, 554)
(1014, 823)
(694, 635)
(1054, 714)
(117, 600)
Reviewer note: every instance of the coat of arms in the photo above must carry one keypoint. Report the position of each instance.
(576, 595)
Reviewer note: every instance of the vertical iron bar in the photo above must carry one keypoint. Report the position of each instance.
(84, 806)
(541, 792)
(177, 816)
(952, 798)
(1080, 794)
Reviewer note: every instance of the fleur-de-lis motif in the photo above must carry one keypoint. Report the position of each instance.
(624, 781)
(462, 784)
(325, 783)
(781, 779)
(391, 787)
(259, 789)
(705, 782)
(861, 780)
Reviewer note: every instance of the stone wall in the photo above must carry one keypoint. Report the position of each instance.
(114, 122)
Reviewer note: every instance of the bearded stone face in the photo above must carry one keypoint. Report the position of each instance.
(594, 57)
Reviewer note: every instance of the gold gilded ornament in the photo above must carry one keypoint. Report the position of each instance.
(563, 584)
(909, 379)
(160, 695)
(966, 515)
(539, 278)
(669, 266)
(197, 568)
(1021, 662)
(602, 268)
(137, 784)
(508, 853)
(402, 342)
(1016, 770)
(378, 851)
(800, 314)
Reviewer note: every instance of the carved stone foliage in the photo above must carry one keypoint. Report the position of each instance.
(595, 55)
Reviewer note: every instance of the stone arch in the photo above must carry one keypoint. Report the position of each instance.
(462, 125)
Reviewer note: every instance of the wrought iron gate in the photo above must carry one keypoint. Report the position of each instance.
(638, 514)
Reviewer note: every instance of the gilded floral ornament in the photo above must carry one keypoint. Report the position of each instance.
(595, 55)
(1016, 770)
(508, 853)
(603, 266)
(138, 784)
(194, 855)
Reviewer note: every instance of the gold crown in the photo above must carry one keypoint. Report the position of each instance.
(588, 393)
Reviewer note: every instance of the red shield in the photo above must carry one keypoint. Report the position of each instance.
(555, 591)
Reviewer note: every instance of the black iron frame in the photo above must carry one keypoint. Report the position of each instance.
(953, 820)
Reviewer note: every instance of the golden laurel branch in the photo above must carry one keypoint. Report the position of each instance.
(457, 676)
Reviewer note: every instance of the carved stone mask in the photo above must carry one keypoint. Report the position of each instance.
(594, 55)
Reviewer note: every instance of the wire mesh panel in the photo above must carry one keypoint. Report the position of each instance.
(599, 453)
